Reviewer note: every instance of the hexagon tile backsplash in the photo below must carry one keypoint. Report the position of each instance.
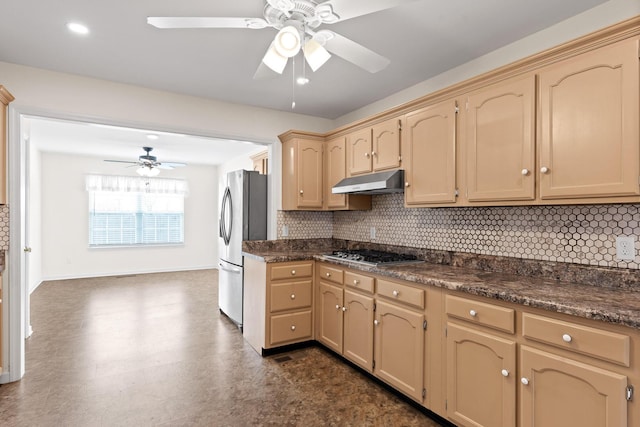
(581, 234)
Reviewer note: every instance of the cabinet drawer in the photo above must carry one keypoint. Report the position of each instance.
(331, 274)
(481, 313)
(403, 293)
(289, 271)
(290, 327)
(289, 295)
(594, 342)
(358, 281)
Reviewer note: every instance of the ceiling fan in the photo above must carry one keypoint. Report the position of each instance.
(149, 165)
(297, 22)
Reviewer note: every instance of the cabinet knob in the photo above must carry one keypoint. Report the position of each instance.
(356, 282)
(301, 192)
(525, 172)
(524, 381)
(544, 169)
(473, 313)
(566, 338)
(373, 153)
(328, 274)
(293, 327)
(367, 155)
(293, 296)
(344, 309)
(505, 373)
(337, 307)
(376, 322)
(406, 184)
(395, 293)
(293, 272)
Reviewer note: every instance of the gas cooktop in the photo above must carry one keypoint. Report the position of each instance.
(371, 257)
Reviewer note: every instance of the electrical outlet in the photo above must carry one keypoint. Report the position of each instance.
(626, 248)
(372, 233)
(285, 231)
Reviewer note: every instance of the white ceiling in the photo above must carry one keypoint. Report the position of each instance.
(422, 38)
(120, 143)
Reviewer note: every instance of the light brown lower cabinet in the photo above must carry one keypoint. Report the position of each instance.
(399, 348)
(344, 317)
(558, 391)
(481, 378)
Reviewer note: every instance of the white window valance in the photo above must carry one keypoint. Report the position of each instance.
(135, 184)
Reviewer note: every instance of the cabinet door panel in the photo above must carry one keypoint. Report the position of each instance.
(565, 393)
(310, 182)
(478, 392)
(336, 167)
(386, 145)
(329, 316)
(500, 142)
(358, 329)
(359, 152)
(589, 124)
(399, 348)
(429, 149)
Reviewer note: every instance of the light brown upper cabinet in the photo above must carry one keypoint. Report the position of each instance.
(589, 128)
(375, 148)
(302, 183)
(261, 162)
(499, 141)
(429, 149)
(5, 99)
(335, 170)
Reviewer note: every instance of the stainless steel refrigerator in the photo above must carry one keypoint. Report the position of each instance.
(243, 216)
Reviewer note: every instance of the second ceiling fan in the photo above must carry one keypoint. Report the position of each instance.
(297, 22)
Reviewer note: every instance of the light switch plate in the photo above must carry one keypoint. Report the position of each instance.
(372, 233)
(626, 248)
(285, 231)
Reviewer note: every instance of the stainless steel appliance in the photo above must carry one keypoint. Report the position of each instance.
(243, 216)
(373, 257)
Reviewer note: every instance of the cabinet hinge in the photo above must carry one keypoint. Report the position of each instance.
(424, 393)
(446, 404)
(445, 332)
(424, 325)
(400, 125)
(629, 394)
(374, 306)
(373, 365)
(457, 193)
(399, 158)
(457, 110)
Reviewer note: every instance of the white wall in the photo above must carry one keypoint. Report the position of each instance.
(65, 251)
(609, 13)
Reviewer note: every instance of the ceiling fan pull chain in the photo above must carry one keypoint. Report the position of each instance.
(293, 83)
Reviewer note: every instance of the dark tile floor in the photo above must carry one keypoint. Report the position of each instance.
(153, 349)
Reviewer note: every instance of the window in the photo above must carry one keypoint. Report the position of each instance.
(129, 211)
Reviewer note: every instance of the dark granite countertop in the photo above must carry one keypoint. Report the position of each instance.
(611, 304)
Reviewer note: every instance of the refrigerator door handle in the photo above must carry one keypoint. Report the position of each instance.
(224, 232)
(230, 270)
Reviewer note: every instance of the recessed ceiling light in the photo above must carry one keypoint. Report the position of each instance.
(152, 136)
(78, 28)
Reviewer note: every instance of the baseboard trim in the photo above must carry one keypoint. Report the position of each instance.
(126, 273)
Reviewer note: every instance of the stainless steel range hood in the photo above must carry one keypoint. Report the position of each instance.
(373, 183)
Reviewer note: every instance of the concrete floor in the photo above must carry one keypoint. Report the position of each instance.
(153, 350)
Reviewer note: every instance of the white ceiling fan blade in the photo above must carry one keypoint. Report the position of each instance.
(170, 165)
(351, 51)
(347, 9)
(206, 22)
(121, 161)
(264, 73)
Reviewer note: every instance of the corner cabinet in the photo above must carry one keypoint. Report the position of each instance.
(589, 127)
(429, 150)
(302, 172)
(375, 148)
(5, 99)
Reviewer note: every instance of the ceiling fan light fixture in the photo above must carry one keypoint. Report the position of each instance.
(315, 54)
(274, 60)
(148, 171)
(288, 41)
(284, 5)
